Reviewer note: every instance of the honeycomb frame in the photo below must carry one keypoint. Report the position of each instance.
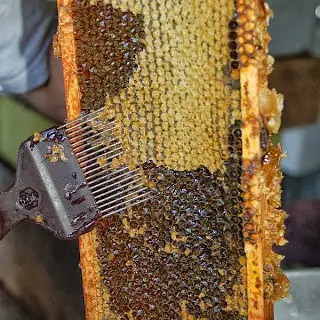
(260, 113)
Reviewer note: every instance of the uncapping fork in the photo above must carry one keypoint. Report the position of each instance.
(66, 181)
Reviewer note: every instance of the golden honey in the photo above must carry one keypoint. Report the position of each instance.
(169, 82)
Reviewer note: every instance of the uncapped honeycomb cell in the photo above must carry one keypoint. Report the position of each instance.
(183, 251)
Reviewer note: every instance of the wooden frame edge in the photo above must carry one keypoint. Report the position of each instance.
(87, 243)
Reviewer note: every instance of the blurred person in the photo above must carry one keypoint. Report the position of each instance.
(39, 274)
(29, 69)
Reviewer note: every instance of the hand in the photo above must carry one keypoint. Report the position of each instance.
(49, 99)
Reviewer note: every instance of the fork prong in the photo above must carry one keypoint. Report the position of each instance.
(81, 123)
(117, 188)
(86, 125)
(124, 202)
(82, 127)
(94, 166)
(80, 118)
(87, 173)
(103, 205)
(113, 190)
(81, 145)
(107, 186)
(75, 137)
(91, 147)
(112, 196)
(99, 155)
(93, 184)
(83, 119)
(80, 142)
(88, 133)
(104, 172)
(96, 182)
(88, 155)
(112, 212)
(97, 164)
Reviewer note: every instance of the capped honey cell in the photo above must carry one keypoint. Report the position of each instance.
(124, 51)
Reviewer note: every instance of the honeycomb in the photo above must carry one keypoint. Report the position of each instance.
(184, 247)
(187, 82)
(107, 44)
(142, 61)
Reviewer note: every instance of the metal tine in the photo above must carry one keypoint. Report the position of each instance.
(80, 124)
(99, 140)
(78, 130)
(97, 143)
(81, 129)
(85, 156)
(87, 173)
(105, 159)
(126, 207)
(123, 197)
(80, 118)
(85, 134)
(102, 152)
(109, 158)
(80, 142)
(92, 184)
(122, 203)
(105, 183)
(107, 186)
(99, 155)
(98, 196)
(84, 119)
(124, 193)
(86, 125)
(120, 187)
(93, 148)
(103, 172)
(75, 133)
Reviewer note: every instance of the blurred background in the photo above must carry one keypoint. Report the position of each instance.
(39, 275)
(295, 32)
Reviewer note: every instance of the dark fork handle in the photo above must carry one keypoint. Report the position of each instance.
(9, 216)
(53, 194)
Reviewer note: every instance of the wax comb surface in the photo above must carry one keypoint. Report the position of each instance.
(166, 75)
(175, 75)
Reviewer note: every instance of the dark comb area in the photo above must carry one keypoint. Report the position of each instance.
(107, 43)
(179, 256)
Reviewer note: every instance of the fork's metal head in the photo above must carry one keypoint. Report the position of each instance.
(51, 188)
(75, 179)
(95, 146)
